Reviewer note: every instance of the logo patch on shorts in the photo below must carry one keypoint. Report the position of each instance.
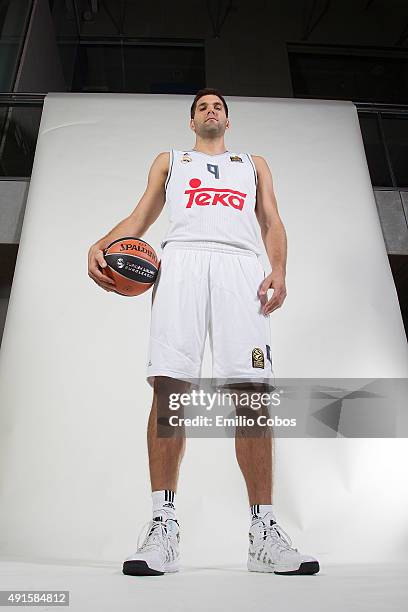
(258, 360)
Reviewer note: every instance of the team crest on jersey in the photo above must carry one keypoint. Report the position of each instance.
(186, 158)
(258, 360)
(203, 196)
(236, 158)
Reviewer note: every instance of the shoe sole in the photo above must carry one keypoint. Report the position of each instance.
(139, 568)
(307, 568)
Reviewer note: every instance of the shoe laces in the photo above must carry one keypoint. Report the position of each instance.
(154, 534)
(279, 536)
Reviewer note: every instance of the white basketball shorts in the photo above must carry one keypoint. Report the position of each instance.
(209, 287)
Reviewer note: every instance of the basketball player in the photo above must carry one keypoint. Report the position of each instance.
(221, 203)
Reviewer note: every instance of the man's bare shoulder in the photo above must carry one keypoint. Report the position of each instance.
(159, 168)
(259, 161)
(162, 160)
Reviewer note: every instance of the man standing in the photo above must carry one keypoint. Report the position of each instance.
(220, 203)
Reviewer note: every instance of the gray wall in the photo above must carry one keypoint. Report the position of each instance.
(392, 208)
(13, 195)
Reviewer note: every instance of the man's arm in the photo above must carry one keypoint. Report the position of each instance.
(136, 224)
(273, 235)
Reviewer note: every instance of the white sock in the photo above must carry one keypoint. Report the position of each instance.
(163, 505)
(259, 510)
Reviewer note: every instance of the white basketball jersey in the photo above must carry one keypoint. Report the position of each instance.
(212, 198)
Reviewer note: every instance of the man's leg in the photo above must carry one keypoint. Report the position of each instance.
(254, 456)
(270, 548)
(159, 553)
(165, 453)
(253, 448)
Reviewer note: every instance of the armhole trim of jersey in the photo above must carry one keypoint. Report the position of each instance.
(254, 169)
(170, 169)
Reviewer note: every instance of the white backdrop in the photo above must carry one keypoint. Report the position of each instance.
(74, 400)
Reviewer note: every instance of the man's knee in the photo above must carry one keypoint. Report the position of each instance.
(166, 391)
(252, 402)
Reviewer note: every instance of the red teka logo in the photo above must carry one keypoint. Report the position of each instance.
(203, 196)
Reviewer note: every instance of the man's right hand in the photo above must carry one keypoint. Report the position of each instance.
(96, 263)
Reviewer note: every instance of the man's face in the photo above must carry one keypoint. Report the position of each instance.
(209, 119)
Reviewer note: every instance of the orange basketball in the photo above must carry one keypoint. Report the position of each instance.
(132, 264)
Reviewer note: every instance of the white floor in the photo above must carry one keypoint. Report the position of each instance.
(100, 588)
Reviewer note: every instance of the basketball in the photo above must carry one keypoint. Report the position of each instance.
(133, 265)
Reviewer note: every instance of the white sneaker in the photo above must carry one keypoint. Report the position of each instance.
(159, 552)
(270, 550)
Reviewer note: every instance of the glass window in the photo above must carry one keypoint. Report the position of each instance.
(361, 78)
(139, 68)
(18, 133)
(374, 149)
(395, 129)
(13, 22)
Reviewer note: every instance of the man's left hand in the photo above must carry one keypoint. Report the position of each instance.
(275, 281)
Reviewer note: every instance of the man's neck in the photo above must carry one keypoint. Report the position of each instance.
(210, 147)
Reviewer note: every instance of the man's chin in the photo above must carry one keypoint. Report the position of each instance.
(212, 130)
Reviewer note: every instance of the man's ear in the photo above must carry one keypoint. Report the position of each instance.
(192, 126)
(227, 125)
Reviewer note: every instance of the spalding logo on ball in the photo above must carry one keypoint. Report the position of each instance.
(132, 264)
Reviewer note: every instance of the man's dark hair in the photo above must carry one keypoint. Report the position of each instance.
(206, 92)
